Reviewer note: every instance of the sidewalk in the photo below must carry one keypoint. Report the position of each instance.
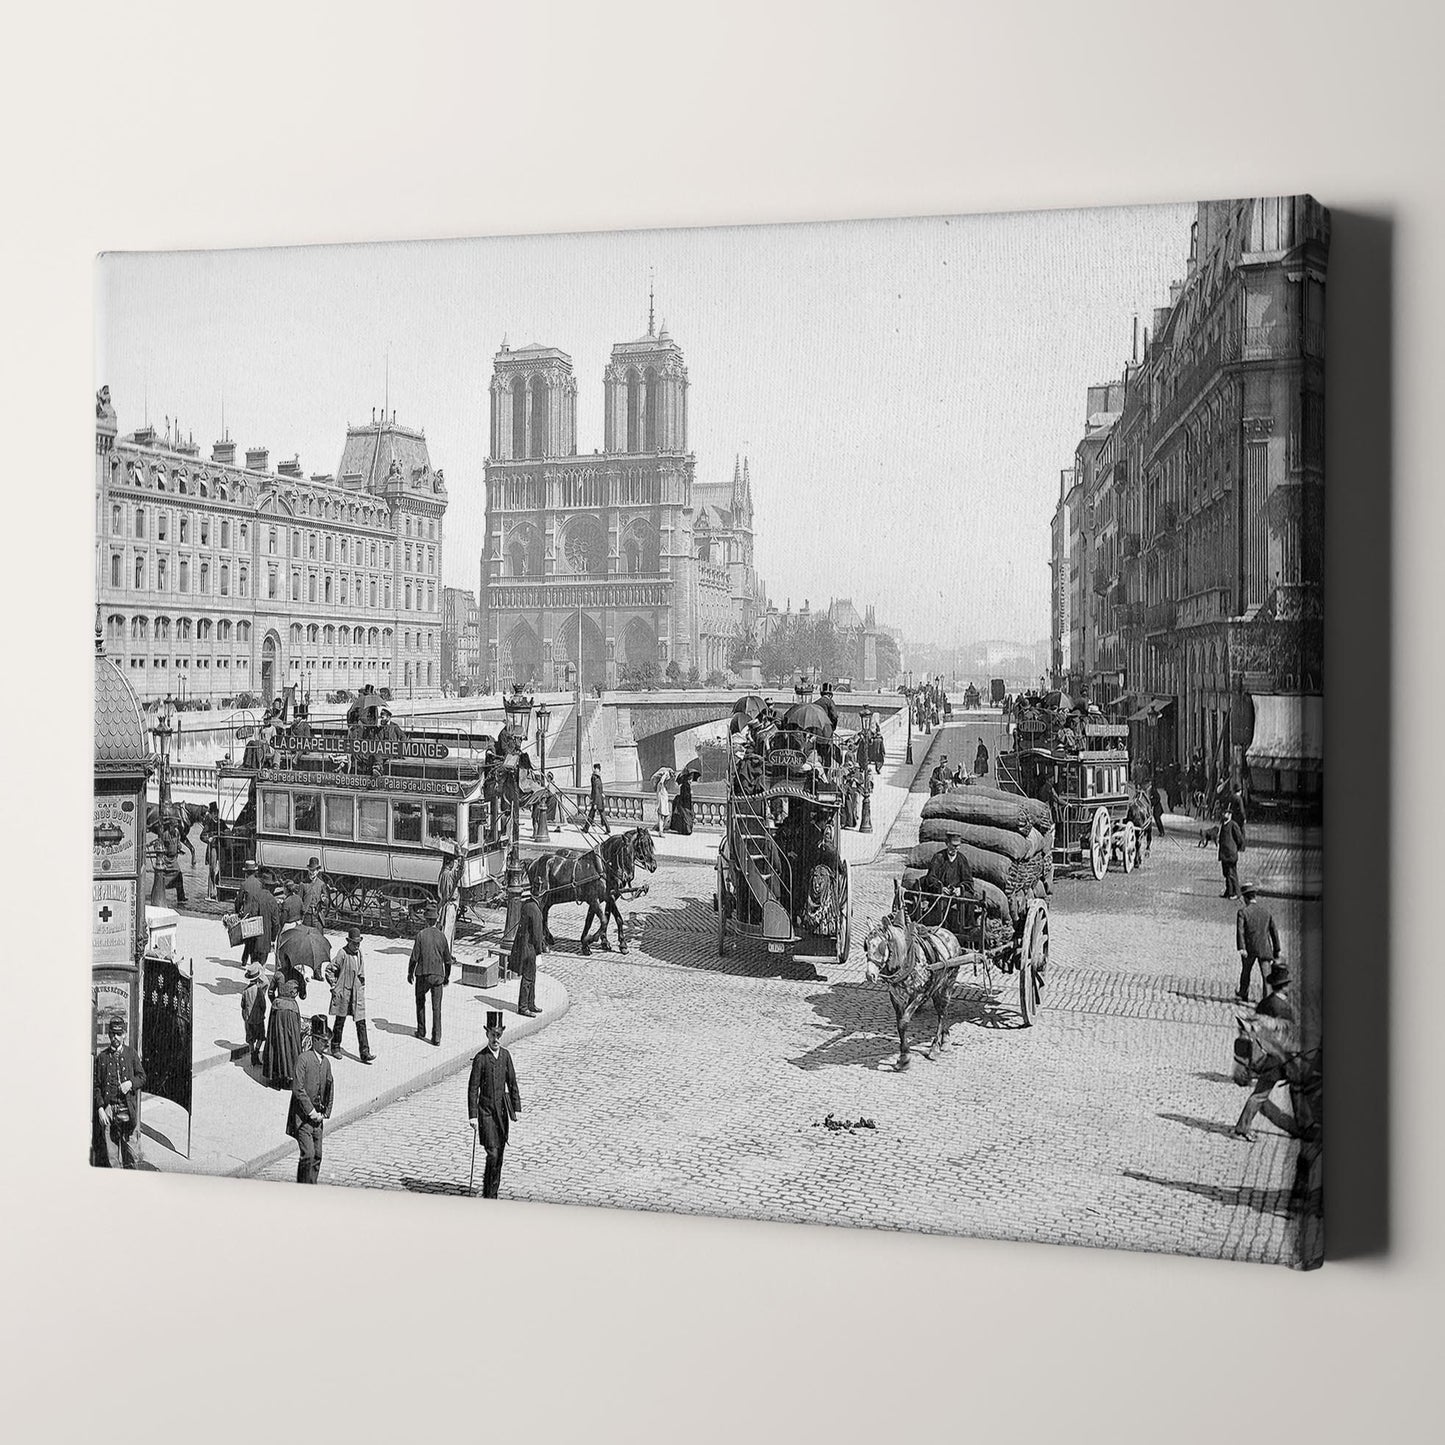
(238, 1123)
(1282, 861)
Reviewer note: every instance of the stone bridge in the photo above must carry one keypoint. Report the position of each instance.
(645, 725)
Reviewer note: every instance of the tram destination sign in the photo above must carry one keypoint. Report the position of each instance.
(361, 746)
(353, 782)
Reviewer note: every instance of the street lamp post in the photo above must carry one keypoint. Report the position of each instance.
(908, 703)
(517, 705)
(865, 818)
(163, 731)
(544, 716)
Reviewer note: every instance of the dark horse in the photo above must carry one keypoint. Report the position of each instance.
(594, 879)
(187, 815)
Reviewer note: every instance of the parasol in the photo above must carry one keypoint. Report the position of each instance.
(301, 946)
(745, 709)
(661, 775)
(694, 767)
(808, 717)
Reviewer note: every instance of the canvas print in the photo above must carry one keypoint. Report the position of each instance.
(812, 723)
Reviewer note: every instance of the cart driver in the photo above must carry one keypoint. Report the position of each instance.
(949, 877)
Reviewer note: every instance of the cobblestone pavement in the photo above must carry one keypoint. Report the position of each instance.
(680, 1081)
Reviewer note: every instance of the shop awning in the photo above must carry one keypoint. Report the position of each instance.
(1152, 710)
(1288, 733)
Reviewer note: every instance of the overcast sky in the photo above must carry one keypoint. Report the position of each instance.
(907, 391)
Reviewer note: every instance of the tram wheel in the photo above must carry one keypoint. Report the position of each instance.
(1033, 961)
(1128, 847)
(1101, 841)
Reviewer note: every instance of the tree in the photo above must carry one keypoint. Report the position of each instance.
(716, 678)
(674, 672)
(692, 677)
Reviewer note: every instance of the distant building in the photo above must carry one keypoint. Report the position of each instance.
(216, 579)
(620, 560)
(1200, 507)
(460, 652)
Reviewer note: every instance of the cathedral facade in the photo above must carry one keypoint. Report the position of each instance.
(619, 561)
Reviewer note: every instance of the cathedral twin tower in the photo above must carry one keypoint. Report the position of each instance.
(615, 563)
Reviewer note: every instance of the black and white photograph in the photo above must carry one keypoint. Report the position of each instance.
(818, 723)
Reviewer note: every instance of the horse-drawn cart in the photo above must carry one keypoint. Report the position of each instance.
(920, 960)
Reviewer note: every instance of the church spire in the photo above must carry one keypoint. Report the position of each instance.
(650, 330)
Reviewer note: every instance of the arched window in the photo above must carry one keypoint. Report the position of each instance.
(295, 634)
(184, 578)
(372, 636)
(653, 407)
(163, 629)
(328, 588)
(541, 413)
(632, 556)
(183, 629)
(634, 408)
(328, 635)
(429, 669)
(343, 636)
(243, 581)
(223, 630)
(205, 577)
(117, 521)
(225, 580)
(140, 574)
(387, 634)
(160, 574)
(203, 629)
(408, 596)
(115, 628)
(140, 522)
(311, 588)
(519, 419)
(139, 627)
(115, 569)
(295, 586)
(313, 633)
(162, 522)
(243, 632)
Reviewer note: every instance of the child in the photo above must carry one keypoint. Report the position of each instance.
(253, 1009)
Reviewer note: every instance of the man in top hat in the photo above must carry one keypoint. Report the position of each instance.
(527, 943)
(430, 970)
(1231, 845)
(949, 876)
(1256, 937)
(253, 1009)
(493, 1101)
(938, 778)
(313, 895)
(312, 1089)
(597, 801)
(825, 701)
(119, 1077)
(347, 978)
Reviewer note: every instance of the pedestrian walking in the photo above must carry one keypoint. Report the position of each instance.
(253, 1010)
(980, 761)
(292, 908)
(313, 895)
(119, 1076)
(493, 1101)
(347, 977)
(170, 860)
(429, 971)
(1156, 804)
(1256, 936)
(682, 819)
(283, 1032)
(312, 1095)
(1278, 1003)
(597, 801)
(527, 943)
(251, 902)
(660, 781)
(1231, 845)
(211, 841)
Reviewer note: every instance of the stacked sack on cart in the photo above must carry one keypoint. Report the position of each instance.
(1007, 840)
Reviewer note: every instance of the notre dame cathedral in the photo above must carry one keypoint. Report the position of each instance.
(619, 558)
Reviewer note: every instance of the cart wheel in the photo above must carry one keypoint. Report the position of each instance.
(722, 914)
(1033, 960)
(1128, 847)
(845, 916)
(1101, 841)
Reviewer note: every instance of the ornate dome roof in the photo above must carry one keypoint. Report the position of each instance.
(121, 744)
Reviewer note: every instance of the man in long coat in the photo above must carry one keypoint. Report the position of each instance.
(429, 971)
(493, 1101)
(1256, 937)
(1231, 844)
(312, 1093)
(313, 895)
(119, 1076)
(347, 976)
(252, 901)
(951, 879)
(526, 945)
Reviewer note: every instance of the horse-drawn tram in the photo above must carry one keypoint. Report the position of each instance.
(781, 877)
(383, 824)
(1079, 765)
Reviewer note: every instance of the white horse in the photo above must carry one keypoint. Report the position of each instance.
(912, 962)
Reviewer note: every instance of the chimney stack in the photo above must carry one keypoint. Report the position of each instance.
(291, 468)
(224, 452)
(257, 459)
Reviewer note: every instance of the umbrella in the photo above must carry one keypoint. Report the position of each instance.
(694, 767)
(303, 945)
(745, 709)
(660, 775)
(808, 717)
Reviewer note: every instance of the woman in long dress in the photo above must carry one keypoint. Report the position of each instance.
(283, 1033)
(663, 804)
(682, 816)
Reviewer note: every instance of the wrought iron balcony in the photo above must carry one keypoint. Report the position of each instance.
(1161, 617)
